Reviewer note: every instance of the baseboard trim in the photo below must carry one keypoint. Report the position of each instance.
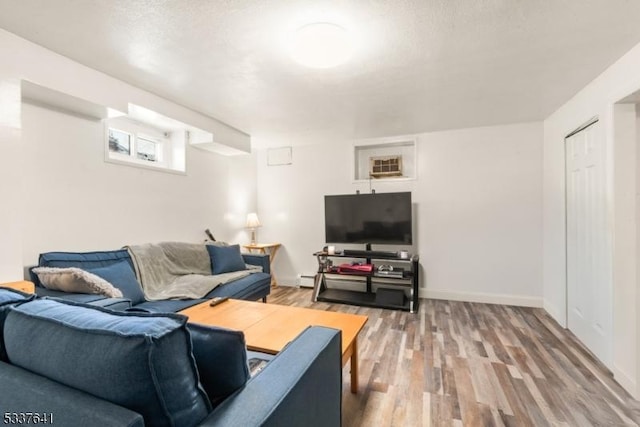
(503, 299)
(625, 381)
(288, 281)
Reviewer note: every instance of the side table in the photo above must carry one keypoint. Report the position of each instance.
(266, 248)
(22, 285)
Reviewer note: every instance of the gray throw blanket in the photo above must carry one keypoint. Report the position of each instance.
(174, 270)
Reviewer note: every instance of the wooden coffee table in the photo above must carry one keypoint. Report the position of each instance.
(270, 327)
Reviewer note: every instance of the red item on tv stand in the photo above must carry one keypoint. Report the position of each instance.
(355, 268)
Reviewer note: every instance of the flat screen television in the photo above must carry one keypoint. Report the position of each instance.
(380, 218)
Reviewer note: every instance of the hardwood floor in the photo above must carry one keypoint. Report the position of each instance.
(469, 364)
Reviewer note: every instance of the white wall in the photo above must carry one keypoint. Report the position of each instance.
(596, 99)
(478, 206)
(11, 204)
(78, 202)
(241, 198)
(56, 191)
(480, 214)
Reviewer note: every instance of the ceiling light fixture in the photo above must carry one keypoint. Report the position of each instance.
(321, 45)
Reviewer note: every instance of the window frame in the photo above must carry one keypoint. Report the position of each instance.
(122, 132)
(365, 151)
(159, 151)
(137, 131)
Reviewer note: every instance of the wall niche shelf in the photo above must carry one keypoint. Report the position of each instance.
(384, 159)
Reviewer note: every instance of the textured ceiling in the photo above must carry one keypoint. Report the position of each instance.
(421, 65)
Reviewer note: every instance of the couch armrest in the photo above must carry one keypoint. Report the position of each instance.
(301, 386)
(23, 391)
(258, 259)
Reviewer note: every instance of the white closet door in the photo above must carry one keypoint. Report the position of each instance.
(589, 283)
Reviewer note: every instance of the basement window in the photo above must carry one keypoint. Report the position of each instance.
(133, 143)
(385, 167)
(119, 142)
(148, 150)
(385, 159)
(130, 146)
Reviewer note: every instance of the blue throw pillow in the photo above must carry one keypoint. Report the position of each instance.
(142, 362)
(9, 298)
(225, 259)
(121, 275)
(221, 358)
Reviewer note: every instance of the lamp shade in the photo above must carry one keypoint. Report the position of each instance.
(253, 221)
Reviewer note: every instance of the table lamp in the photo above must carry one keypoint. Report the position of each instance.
(252, 223)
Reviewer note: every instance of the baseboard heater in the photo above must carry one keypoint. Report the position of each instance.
(306, 280)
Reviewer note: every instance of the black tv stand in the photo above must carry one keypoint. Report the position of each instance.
(391, 287)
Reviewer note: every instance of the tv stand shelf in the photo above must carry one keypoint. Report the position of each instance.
(367, 296)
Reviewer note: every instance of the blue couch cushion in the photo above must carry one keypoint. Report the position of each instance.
(221, 357)
(121, 275)
(167, 306)
(225, 259)
(84, 298)
(83, 260)
(9, 298)
(142, 362)
(244, 288)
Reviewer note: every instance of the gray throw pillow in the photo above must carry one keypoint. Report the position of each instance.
(76, 280)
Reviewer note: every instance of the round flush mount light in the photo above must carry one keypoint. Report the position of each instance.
(321, 45)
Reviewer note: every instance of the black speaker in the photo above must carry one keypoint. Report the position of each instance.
(386, 296)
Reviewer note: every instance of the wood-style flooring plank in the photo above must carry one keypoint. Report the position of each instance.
(468, 364)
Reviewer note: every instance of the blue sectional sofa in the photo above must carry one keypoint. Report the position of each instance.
(73, 364)
(253, 287)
